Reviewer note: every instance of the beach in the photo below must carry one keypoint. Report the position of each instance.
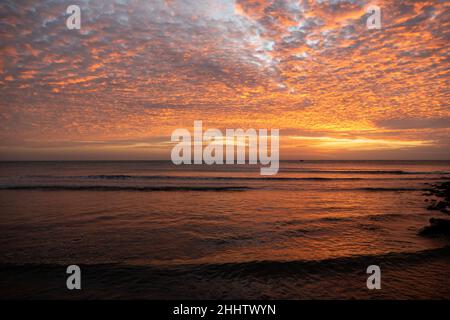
(153, 230)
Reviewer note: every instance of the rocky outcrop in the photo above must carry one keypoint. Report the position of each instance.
(440, 202)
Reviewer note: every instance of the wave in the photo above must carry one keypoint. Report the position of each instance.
(397, 172)
(420, 275)
(166, 177)
(145, 188)
(215, 178)
(293, 268)
(298, 267)
(384, 217)
(120, 188)
(385, 189)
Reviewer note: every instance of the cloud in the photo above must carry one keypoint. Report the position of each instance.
(143, 68)
(414, 123)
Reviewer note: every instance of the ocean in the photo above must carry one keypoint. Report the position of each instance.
(150, 229)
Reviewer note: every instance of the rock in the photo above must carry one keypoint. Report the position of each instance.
(436, 227)
(440, 191)
(441, 205)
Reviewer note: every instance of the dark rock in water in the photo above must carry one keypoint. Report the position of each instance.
(440, 191)
(436, 227)
(441, 205)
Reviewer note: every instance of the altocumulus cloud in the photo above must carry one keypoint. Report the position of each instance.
(139, 69)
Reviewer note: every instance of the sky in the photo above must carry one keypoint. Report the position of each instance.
(137, 70)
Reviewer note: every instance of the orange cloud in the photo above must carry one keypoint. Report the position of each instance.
(309, 68)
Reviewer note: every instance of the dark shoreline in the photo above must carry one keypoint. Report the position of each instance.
(416, 275)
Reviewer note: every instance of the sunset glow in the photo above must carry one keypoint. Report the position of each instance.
(137, 70)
